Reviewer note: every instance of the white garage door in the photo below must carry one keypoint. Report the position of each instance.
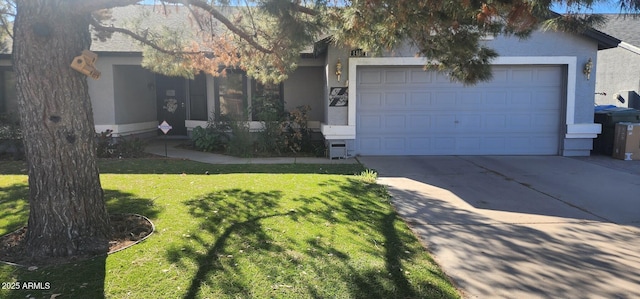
(407, 111)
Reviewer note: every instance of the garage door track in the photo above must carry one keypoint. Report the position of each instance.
(522, 227)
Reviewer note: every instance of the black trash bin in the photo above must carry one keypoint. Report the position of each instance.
(608, 118)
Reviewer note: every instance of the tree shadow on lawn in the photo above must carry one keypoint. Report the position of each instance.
(236, 234)
(14, 207)
(80, 279)
(373, 215)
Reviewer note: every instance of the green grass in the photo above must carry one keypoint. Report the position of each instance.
(246, 231)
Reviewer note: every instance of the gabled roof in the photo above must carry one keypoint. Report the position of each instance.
(623, 27)
(605, 41)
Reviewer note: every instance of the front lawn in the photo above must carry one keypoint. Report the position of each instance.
(244, 231)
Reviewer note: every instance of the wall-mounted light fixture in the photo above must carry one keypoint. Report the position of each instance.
(587, 68)
(338, 69)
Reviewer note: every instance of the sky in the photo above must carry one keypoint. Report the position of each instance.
(601, 7)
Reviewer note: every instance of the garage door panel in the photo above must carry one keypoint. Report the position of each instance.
(370, 100)
(500, 76)
(444, 99)
(420, 122)
(395, 77)
(420, 99)
(370, 122)
(521, 100)
(396, 123)
(443, 145)
(370, 77)
(548, 76)
(471, 99)
(372, 144)
(495, 122)
(444, 123)
(394, 144)
(516, 113)
(493, 144)
(418, 144)
(395, 100)
(544, 99)
(495, 99)
(420, 76)
(521, 76)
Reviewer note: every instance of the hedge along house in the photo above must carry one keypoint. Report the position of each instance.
(540, 101)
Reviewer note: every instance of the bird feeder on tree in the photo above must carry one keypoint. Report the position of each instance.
(85, 63)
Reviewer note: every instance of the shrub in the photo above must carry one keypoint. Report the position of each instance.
(270, 112)
(119, 147)
(282, 132)
(131, 147)
(11, 146)
(296, 131)
(241, 141)
(210, 139)
(105, 144)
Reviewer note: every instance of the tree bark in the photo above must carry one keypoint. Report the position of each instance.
(68, 216)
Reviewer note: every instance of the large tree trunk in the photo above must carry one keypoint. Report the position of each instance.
(67, 215)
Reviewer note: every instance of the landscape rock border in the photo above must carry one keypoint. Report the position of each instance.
(126, 245)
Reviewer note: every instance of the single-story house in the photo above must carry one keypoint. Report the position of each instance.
(540, 101)
(618, 75)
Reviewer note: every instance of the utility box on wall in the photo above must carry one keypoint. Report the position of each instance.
(627, 141)
(337, 149)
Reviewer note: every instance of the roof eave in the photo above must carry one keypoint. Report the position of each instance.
(604, 40)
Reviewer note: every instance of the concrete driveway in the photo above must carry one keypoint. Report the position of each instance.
(523, 227)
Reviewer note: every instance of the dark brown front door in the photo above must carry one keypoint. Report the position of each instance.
(171, 94)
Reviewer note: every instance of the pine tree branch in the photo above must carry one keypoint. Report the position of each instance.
(99, 27)
(223, 19)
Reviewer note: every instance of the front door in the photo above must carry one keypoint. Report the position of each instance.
(171, 93)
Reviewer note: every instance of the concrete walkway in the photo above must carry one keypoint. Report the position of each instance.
(157, 147)
(523, 227)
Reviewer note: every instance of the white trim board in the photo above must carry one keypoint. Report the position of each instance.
(128, 129)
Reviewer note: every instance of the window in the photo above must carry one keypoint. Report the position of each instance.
(230, 94)
(265, 102)
(8, 100)
(198, 98)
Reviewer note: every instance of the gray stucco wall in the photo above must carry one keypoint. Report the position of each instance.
(101, 92)
(336, 115)
(618, 71)
(134, 94)
(305, 86)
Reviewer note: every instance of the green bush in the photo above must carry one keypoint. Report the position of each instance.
(131, 147)
(209, 139)
(105, 144)
(109, 146)
(11, 146)
(271, 113)
(241, 142)
(282, 132)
